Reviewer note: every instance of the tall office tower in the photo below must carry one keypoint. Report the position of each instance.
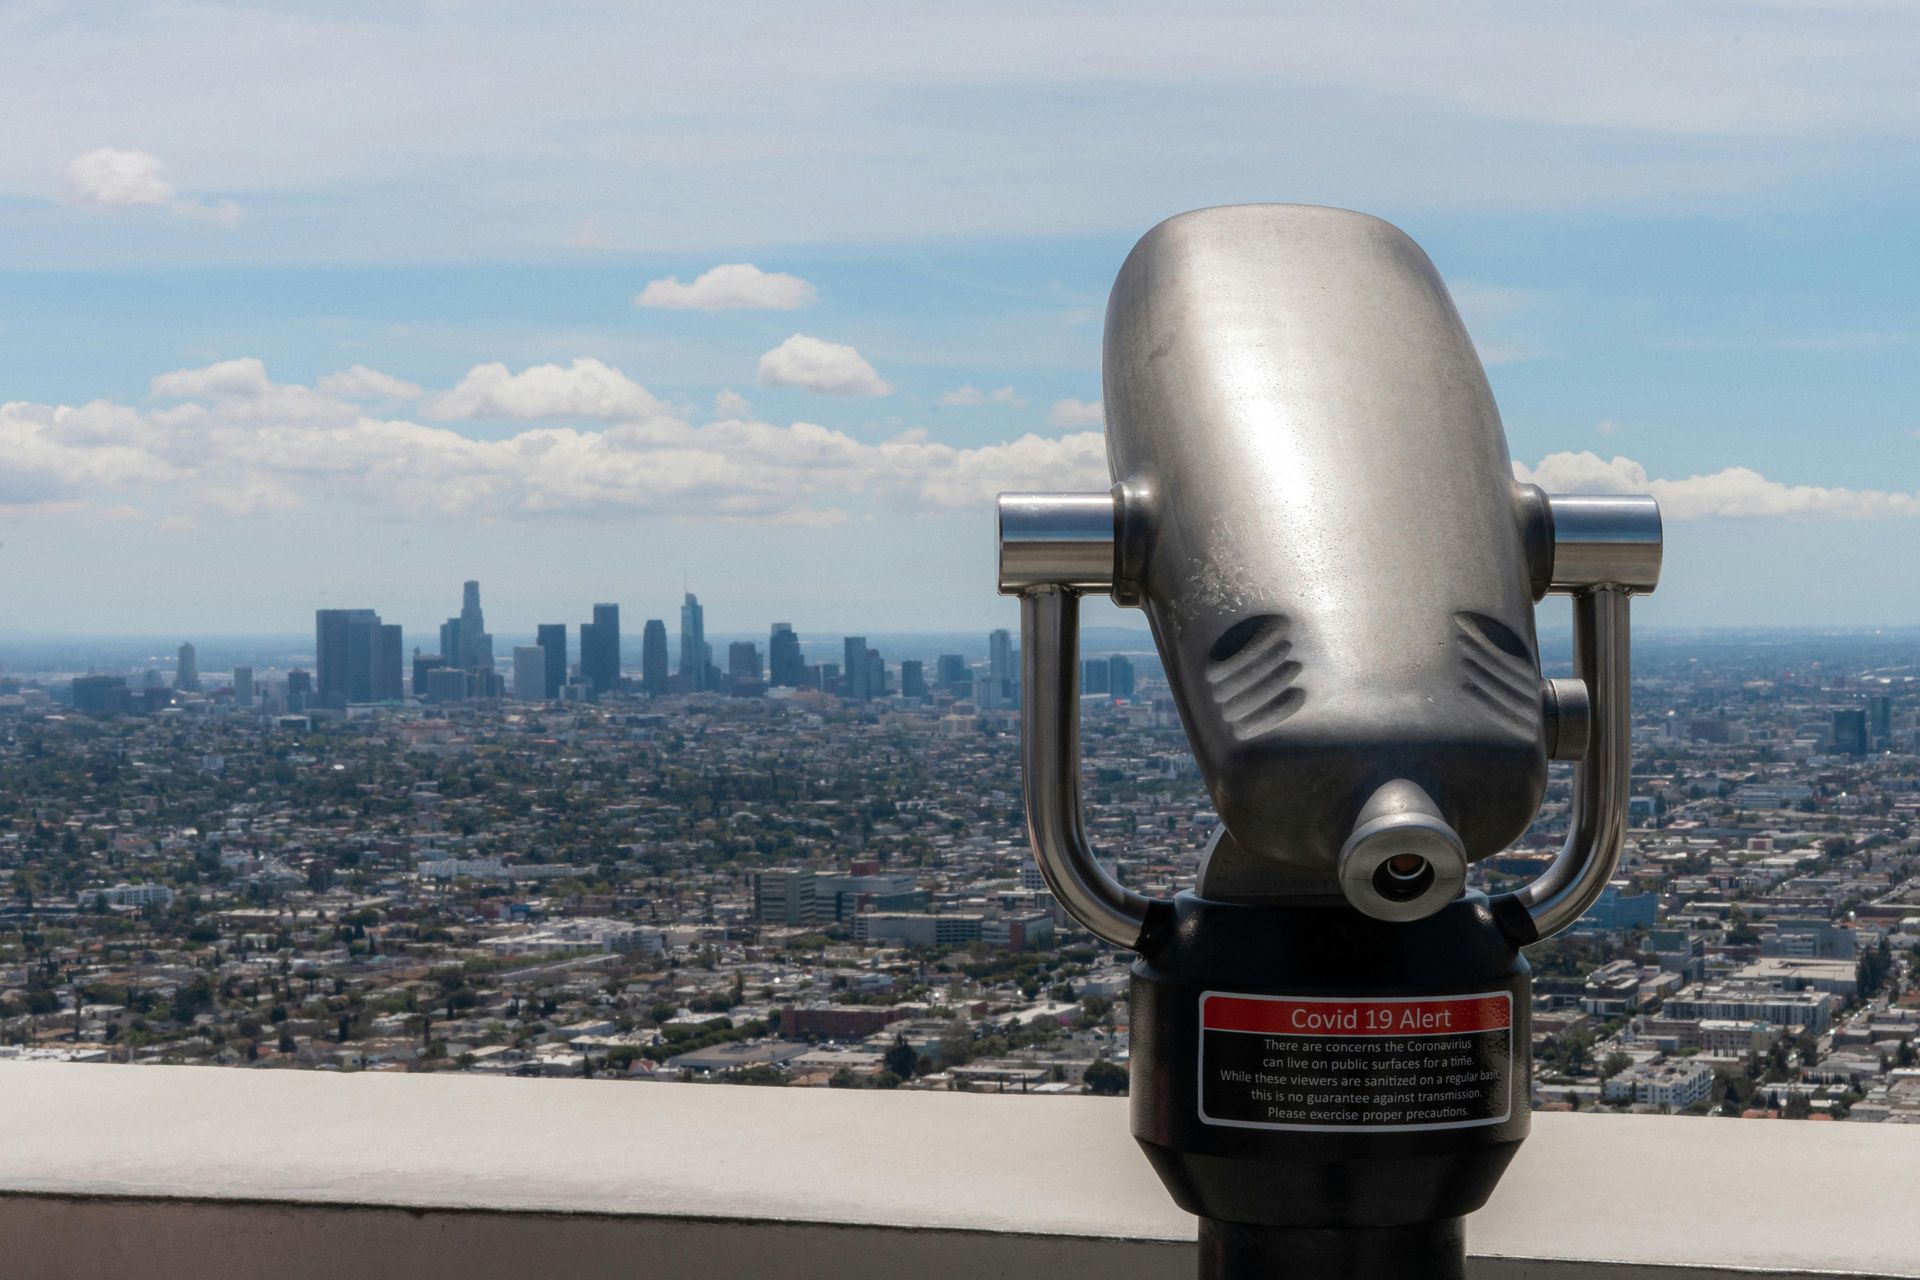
(653, 658)
(450, 643)
(1094, 676)
(854, 669)
(552, 639)
(186, 674)
(1120, 676)
(913, 680)
(1850, 731)
(299, 690)
(341, 636)
(1000, 668)
(950, 670)
(743, 660)
(1880, 716)
(786, 668)
(589, 653)
(529, 672)
(389, 672)
(423, 664)
(476, 646)
(693, 644)
(876, 675)
(600, 648)
(243, 686)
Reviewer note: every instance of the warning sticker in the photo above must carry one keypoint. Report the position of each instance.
(1309, 1062)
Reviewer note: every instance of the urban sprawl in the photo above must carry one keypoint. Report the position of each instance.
(770, 870)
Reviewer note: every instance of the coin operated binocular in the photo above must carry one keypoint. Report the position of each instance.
(1313, 504)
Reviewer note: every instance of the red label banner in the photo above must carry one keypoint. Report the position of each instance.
(1283, 1016)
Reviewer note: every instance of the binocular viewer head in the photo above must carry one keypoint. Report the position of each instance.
(1313, 503)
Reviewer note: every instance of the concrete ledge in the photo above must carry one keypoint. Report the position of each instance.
(190, 1171)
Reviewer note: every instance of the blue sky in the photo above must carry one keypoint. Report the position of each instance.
(1682, 235)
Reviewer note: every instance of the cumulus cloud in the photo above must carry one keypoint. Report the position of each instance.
(240, 389)
(362, 383)
(828, 368)
(584, 389)
(732, 286)
(731, 404)
(222, 449)
(226, 439)
(1077, 413)
(971, 395)
(1732, 491)
(108, 179)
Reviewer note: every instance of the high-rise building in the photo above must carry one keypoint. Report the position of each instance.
(743, 660)
(389, 665)
(529, 672)
(913, 680)
(786, 666)
(102, 695)
(243, 686)
(950, 670)
(653, 658)
(1093, 676)
(346, 646)
(358, 658)
(422, 665)
(476, 646)
(450, 643)
(552, 639)
(876, 677)
(186, 675)
(446, 684)
(1880, 716)
(693, 644)
(854, 669)
(1120, 676)
(299, 690)
(600, 648)
(1850, 731)
(1000, 669)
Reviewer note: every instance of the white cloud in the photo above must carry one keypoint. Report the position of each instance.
(106, 179)
(732, 286)
(228, 456)
(231, 441)
(1076, 413)
(1731, 492)
(584, 389)
(971, 395)
(731, 404)
(241, 389)
(362, 383)
(828, 368)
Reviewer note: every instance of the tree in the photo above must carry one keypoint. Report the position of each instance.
(1614, 1064)
(900, 1059)
(1104, 1077)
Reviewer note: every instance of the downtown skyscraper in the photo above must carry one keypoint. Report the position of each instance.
(551, 637)
(654, 671)
(357, 658)
(786, 666)
(600, 648)
(693, 644)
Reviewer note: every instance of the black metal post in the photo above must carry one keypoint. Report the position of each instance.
(1421, 1251)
